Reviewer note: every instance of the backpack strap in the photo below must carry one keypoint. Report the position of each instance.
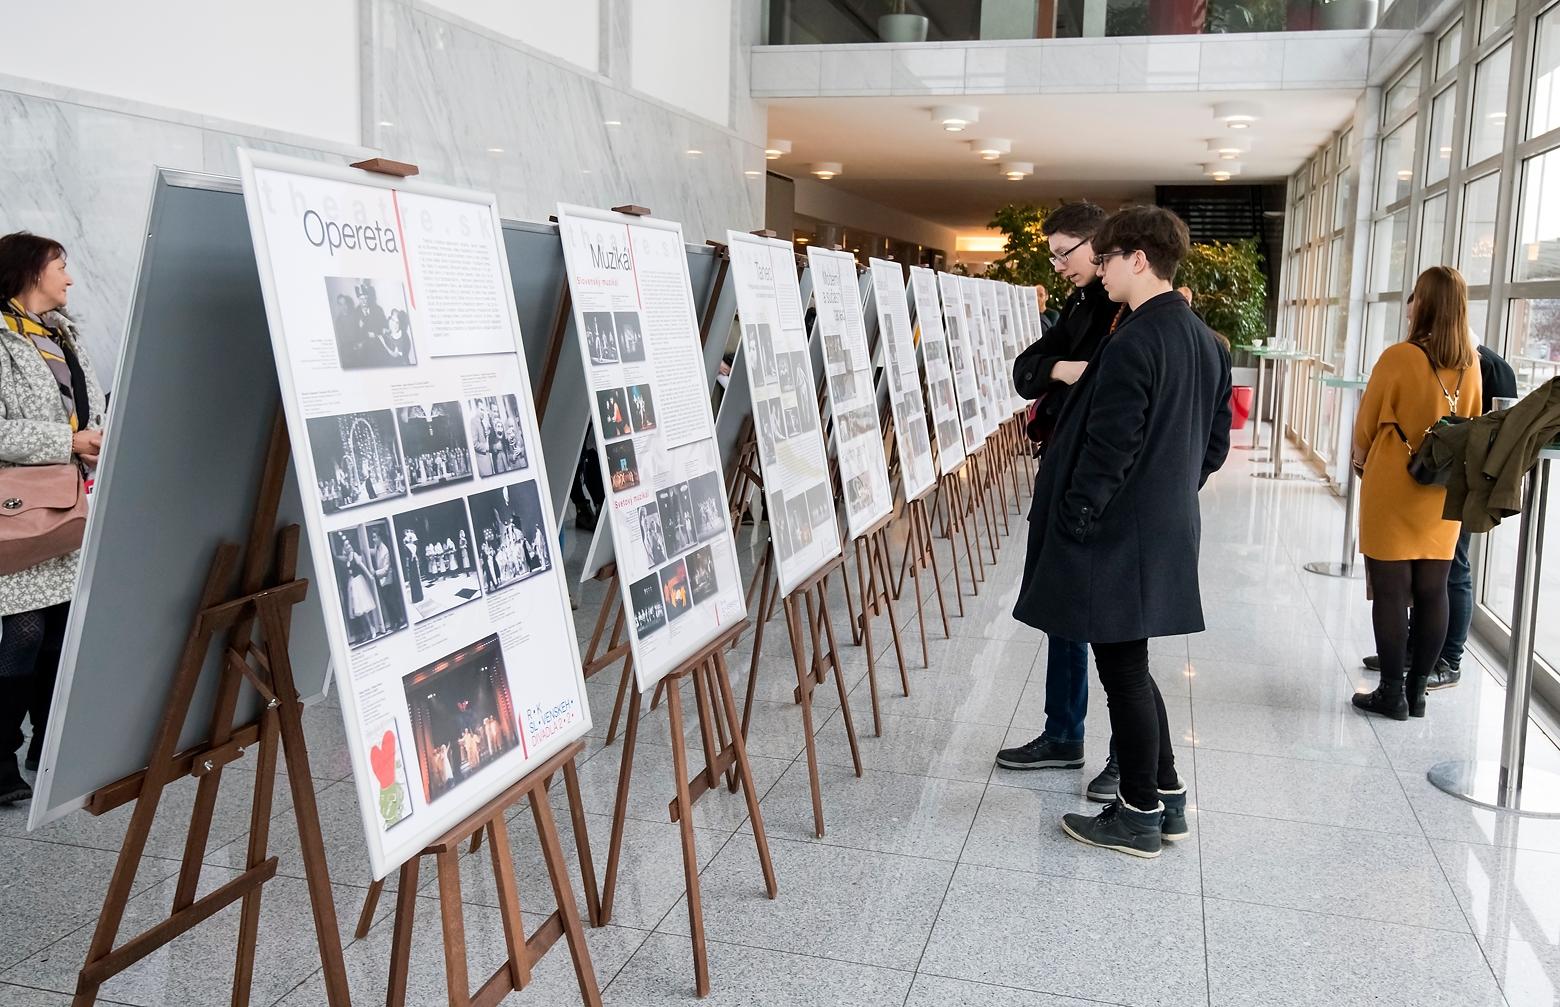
(1455, 394)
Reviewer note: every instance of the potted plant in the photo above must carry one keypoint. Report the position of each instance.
(900, 26)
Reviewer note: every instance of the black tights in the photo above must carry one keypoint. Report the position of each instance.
(1140, 731)
(30, 645)
(1397, 586)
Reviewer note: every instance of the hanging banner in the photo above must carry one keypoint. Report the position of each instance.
(982, 335)
(803, 528)
(404, 382)
(961, 355)
(939, 370)
(655, 435)
(904, 379)
(858, 439)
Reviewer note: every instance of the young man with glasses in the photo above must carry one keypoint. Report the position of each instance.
(1046, 372)
(1115, 526)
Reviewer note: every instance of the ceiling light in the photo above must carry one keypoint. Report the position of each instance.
(990, 150)
(386, 123)
(1015, 171)
(1221, 171)
(954, 118)
(777, 149)
(1446, 152)
(612, 122)
(1231, 147)
(752, 173)
(827, 169)
(495, 150)
(694, 152)
(1404, 174)
(804, 239)
(1237, 114)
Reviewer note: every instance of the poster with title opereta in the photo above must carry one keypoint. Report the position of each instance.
(939, 371)
(655, 434)
(404, 384)
(903, 375)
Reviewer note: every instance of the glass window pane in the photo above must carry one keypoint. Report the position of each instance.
(1545, 102)
(1402, 95)
(1496, 13)
(1389, 246)
(1432, 228)
(1534, 344)
(1381, 330)
(1338, 280)
(1500, 576)
(1477, 245)
(1478, 320)
(1538, 228)
(1487, 129)
(1448, 50)
(1438, 148)
(1343, 148)
(1395, 174)
(1337, 334)
(1344, 205)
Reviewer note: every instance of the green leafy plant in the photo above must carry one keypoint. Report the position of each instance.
(1228, 288)
(1027, 258)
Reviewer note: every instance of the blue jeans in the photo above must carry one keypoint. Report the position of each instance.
(1066, 689)
(1459, 597)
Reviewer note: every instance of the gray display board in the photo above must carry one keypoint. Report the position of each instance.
(190, 417)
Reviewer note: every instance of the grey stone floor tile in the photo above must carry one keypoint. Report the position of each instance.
(1330, 734)
(1260, 955)
(849, 905)
(661, 972)
(1313, 688)
(1506, 893)
(950, 751)
(938, 991)
(1062, 936)
(1356, 797)
(979, 682)
(24, 996)
(1446, 817)
(1321, 868)
(1528, 973)
(1241, 646)
(341, 826)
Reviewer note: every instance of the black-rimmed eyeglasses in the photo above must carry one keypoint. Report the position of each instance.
(1103, 257)
(1057, 260)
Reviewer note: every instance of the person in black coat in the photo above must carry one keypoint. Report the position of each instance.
(1046, 373)
(1114, 528)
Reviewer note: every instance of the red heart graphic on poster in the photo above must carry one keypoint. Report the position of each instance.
(382, 758)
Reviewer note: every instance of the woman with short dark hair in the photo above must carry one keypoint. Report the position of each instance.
(51, 413)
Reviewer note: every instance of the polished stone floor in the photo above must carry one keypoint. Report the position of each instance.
(1322, 867)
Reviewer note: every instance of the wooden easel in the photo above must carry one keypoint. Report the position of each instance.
(956, 522)
(874, 580)
(267, 588)
(724, 751)
(523, 952)
(920, 555)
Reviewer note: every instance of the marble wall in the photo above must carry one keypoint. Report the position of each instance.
(468, 106)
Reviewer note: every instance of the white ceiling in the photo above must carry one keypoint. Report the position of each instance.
(1107, 147)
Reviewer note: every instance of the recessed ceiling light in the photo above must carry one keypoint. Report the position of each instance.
(495, 150)
(954, 118)
(1237, 114)
(386, 123)
(612, 122)
(1015, 171)
(777, 149)
(1231, 147)
(990, 150)
(694, 152)
(752, 173)
(827, 169)
(1222, 171)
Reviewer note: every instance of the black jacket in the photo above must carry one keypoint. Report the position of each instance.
(1085, 320)
(1499, 380)
(1114, 529)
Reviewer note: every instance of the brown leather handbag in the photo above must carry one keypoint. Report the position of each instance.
(43, 514)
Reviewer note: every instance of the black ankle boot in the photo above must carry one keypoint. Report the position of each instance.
(13, 789)
(1415, 696)
(1387, 700)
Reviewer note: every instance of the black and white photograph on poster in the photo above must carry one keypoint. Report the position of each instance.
(463, 717)
(600, 337)
(763, 341)
(858, 422)
(438, 558)
(793, 416)
(641, 408)
(803, 388)
(511, 541)
(649, 611)
(858, 495)
(612, 407)
(799, 520)
(776, 418)
(701, 575)
(630, 335)
(675, 595)
(622, 466)
(496, 437)
(820, 506)
(709, 498)
(842, 386)
(676, 506)
(780, 532)
(434, 440)
(766, 430)
(784, 375)
(368, 588)
(834, 352)
(370, 322)
(356, 459)
(651, 537)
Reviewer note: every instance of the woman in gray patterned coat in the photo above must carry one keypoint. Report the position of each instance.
(51, 412)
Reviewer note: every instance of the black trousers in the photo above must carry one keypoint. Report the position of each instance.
(30, 645)
(1139, 727)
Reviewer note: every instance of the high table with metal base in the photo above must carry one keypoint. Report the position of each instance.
(1505, 785)
(1281, 361)
(1346, 566)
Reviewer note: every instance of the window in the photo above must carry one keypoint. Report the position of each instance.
(1432, 228)
(1544, 104)
(1494, 16)
(1338, 281)
(1448, 50)
(1382, 321)
(1402, 95)
(1487, 128)
(1478, 319)
(1538, 222)
(1389, 246)
(1477, 246)
(1533, 346)
(1396, 171)
(1438, 148)
(1344, 204)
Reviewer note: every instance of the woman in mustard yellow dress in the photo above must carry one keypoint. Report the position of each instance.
(1408, 547)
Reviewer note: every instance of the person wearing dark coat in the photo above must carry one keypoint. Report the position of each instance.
(1046, 373)
(1114, 527)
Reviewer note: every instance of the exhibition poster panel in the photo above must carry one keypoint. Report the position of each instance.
(404, 382)
(961, 356)
(802, 526)
(939, 372)
(904, 379)
(980, 353)
(1031, 299)
(996, 341)
(655, 435)
(1012, 326)
(858, 439)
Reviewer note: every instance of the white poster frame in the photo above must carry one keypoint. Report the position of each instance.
(961, 354)
(917, 473)
(933, 346)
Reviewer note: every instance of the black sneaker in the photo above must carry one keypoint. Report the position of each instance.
(1372, 663)
(1120, 828)
(1444, 676)
(13, 789)
(1173, 826)
(1043, 753)
(1105, 787)
(34, 752)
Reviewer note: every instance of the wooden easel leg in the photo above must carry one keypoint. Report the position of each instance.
(370, 906)
(878, 554)
(931, 551)
(571, 784)
(914, 538)
(457, 975)
(401, 933)
(711, 729)
(804, 688)
(850, 606)
(620, 808)
(509, 892)
(864, 625)
(745, 771)
(617, 705)
(818, 620)
(764, 600)
(690, 853)
(563, 894)
(259, 835)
